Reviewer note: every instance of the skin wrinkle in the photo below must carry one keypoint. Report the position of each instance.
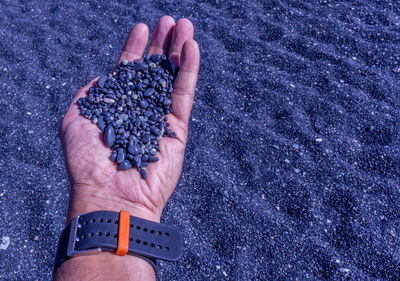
(117, 201)
(126, 52)
(95, 277)
(181, 125)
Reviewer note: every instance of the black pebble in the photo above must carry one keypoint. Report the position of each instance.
(101, 81)
(137, 123)
(134, 149)
(156, 58)
(153, 117)
(101, 123)
(120, 155)
(153, 159)
(113, 155)
(148, 92)
(148, 113)
(143, 173)
(154, 130)
(109, 136)
(146, 138)
(125, 165)
(143, 104)
(167, 102)
(139, 67)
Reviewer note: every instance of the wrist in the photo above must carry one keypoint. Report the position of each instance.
(106, 266)
(86, 199)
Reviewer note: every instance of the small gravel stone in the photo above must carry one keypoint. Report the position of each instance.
(344, 270)
(134, 149)
(149, 92)
(143, 173)
(109, 136)
(156, 58)
(146, 138)
(108, 100)
(101, 81)
(5, 242)
(119, 122)
(154, 130)
(124, 116)
(125, 165)
(143, 104)
(167, 102)
(153, 159)
(120, 155)
(113, 155)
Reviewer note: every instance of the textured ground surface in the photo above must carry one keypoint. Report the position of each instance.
(292, 166)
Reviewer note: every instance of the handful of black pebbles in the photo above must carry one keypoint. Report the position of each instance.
(129, 106)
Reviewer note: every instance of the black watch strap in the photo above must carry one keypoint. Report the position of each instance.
(97, 232)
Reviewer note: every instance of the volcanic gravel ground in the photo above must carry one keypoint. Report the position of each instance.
(292, 166)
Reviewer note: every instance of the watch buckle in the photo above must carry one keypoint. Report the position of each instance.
(72, 239)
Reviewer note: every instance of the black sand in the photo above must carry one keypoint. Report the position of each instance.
(292, 168)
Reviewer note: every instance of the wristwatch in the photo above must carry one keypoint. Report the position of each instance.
(101, 231)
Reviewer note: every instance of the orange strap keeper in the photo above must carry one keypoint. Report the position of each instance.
(123, 233)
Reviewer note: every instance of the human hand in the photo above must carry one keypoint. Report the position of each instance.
(96, 182)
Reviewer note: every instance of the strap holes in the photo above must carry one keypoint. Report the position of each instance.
(131, 239)
(100, 234)
(145, 229)
(84, 236)
(138, 241)
(166, 233)
(108, 234)
(159, 232)
(115, 235)
(160, 246)
(138, 227)
(116, 221)
(92, 220)
(86, 222)
(91, 234)
(152, 231)
(145, 243)
(131, 225)
(167, 248)
(108, 220)
(152, 245)
(101, 220)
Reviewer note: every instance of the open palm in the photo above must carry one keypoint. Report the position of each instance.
(96, 182)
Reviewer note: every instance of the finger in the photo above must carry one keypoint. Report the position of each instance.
(161, 36)
(135, 43)
(183, 31)
(185, 84)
